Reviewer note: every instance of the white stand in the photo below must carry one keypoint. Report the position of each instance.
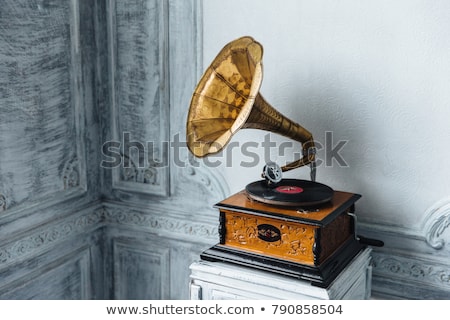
(225, 281)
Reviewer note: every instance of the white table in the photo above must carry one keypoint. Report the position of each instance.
(225, 281)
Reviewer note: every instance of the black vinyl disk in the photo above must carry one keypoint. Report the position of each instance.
(290, 192)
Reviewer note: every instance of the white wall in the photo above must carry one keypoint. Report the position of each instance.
(375, 73)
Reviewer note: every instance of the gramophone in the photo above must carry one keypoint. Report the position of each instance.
(300, 228)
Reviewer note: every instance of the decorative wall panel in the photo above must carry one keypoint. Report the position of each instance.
(42, 155)
(139, 93)
(140, 270)
(49, 244)
(69, 277)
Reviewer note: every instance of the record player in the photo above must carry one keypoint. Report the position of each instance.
(300, 228)
(313, 244)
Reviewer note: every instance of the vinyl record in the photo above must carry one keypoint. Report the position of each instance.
(290, 192)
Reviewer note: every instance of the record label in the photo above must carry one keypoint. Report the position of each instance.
(289, 189)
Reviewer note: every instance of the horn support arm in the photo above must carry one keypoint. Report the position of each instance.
(264, 116)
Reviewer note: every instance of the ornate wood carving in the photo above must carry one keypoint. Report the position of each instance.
(295, 242)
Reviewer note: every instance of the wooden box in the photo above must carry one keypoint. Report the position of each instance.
(313, 244)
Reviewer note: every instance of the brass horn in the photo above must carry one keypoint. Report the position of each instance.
(227, 99)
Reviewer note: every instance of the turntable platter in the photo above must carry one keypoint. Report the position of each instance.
(290, 192)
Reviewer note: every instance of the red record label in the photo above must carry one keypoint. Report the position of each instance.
(289, 189)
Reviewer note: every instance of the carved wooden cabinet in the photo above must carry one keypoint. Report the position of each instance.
(313, 244)
(226, 281)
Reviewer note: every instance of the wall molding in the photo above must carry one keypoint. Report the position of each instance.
(3, 204)
(76, 283)
(44, 237)
(71, 174)
(158, 220)
(412, 268)
(432, 228)
(437, 220)
(130, 258)
(139, 108)
(414, 263)
(397, 275)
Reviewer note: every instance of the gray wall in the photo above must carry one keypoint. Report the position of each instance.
(159, 213)
(75, 74)
(76, 78)
(50, 217)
